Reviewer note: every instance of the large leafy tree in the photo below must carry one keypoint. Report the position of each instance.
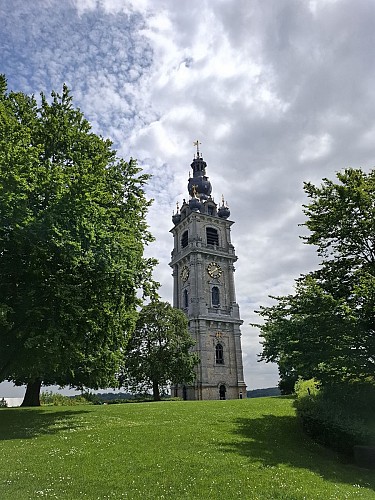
(158, 352)
(72, 234)
(326, 329)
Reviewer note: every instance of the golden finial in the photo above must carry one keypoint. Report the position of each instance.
(222, 199)
(177, 207)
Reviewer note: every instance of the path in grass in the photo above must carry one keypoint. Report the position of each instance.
(248, 449)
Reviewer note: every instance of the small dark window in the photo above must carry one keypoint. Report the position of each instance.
(212, 236)
(219, 354)
(186, 299)
(185, 239)
(215, 296)
(210, 210)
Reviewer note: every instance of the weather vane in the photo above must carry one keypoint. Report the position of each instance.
(196, 143)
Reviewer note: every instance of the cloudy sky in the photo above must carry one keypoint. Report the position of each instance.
(277, 91)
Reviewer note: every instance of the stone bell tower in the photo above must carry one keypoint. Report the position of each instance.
(203, 273)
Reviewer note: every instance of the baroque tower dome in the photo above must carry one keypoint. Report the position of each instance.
(199, 181)
(200, 188)
(223, 210)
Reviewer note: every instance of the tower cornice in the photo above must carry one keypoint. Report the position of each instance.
(206, 250)
(200, 216)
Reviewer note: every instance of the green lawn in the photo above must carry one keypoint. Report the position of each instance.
(248, 449)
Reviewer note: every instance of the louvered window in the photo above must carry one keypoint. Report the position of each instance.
(185, 239)
(212, 236)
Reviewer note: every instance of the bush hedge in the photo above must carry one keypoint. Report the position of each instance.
(339, 416)
(49, 398)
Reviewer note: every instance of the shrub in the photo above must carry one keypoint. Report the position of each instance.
(338, 416)
(91, 398)
(306, 388)
(3, 403)
(49, 398)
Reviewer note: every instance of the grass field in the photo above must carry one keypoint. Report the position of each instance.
(248, 449)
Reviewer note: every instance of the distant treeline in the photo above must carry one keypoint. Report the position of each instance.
(109, 396)
(255, 393)
(262, 393)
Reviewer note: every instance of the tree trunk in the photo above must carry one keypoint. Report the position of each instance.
(155, 390)
(32, 394)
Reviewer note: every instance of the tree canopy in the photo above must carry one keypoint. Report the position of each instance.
(326, 328)
(158, 352)
(72, 233)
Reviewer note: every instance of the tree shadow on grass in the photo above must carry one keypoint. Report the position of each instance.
(27, 423)
(274, 440)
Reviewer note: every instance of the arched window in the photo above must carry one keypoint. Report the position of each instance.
(186, 299)
(219, 351)
(215, 296)
(212, 236)
(184, 239)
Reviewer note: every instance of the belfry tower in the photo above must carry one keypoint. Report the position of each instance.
(203, 273)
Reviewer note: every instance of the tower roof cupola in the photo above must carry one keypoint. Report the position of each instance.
(200, 199)
(223, 211)
(199, 181)
(194, 204)
(176, 217)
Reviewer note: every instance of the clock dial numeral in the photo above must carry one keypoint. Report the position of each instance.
(214, 270)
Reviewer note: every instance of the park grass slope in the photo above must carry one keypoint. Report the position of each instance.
(248, 449)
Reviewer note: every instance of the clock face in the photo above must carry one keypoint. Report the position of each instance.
(184, 273)
(214, 270)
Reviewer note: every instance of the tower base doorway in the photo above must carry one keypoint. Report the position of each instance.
(222, 391)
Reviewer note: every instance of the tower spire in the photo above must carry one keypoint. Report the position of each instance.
(196, 143)
(199, 180)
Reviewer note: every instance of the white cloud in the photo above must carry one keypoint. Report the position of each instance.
(314, 148)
